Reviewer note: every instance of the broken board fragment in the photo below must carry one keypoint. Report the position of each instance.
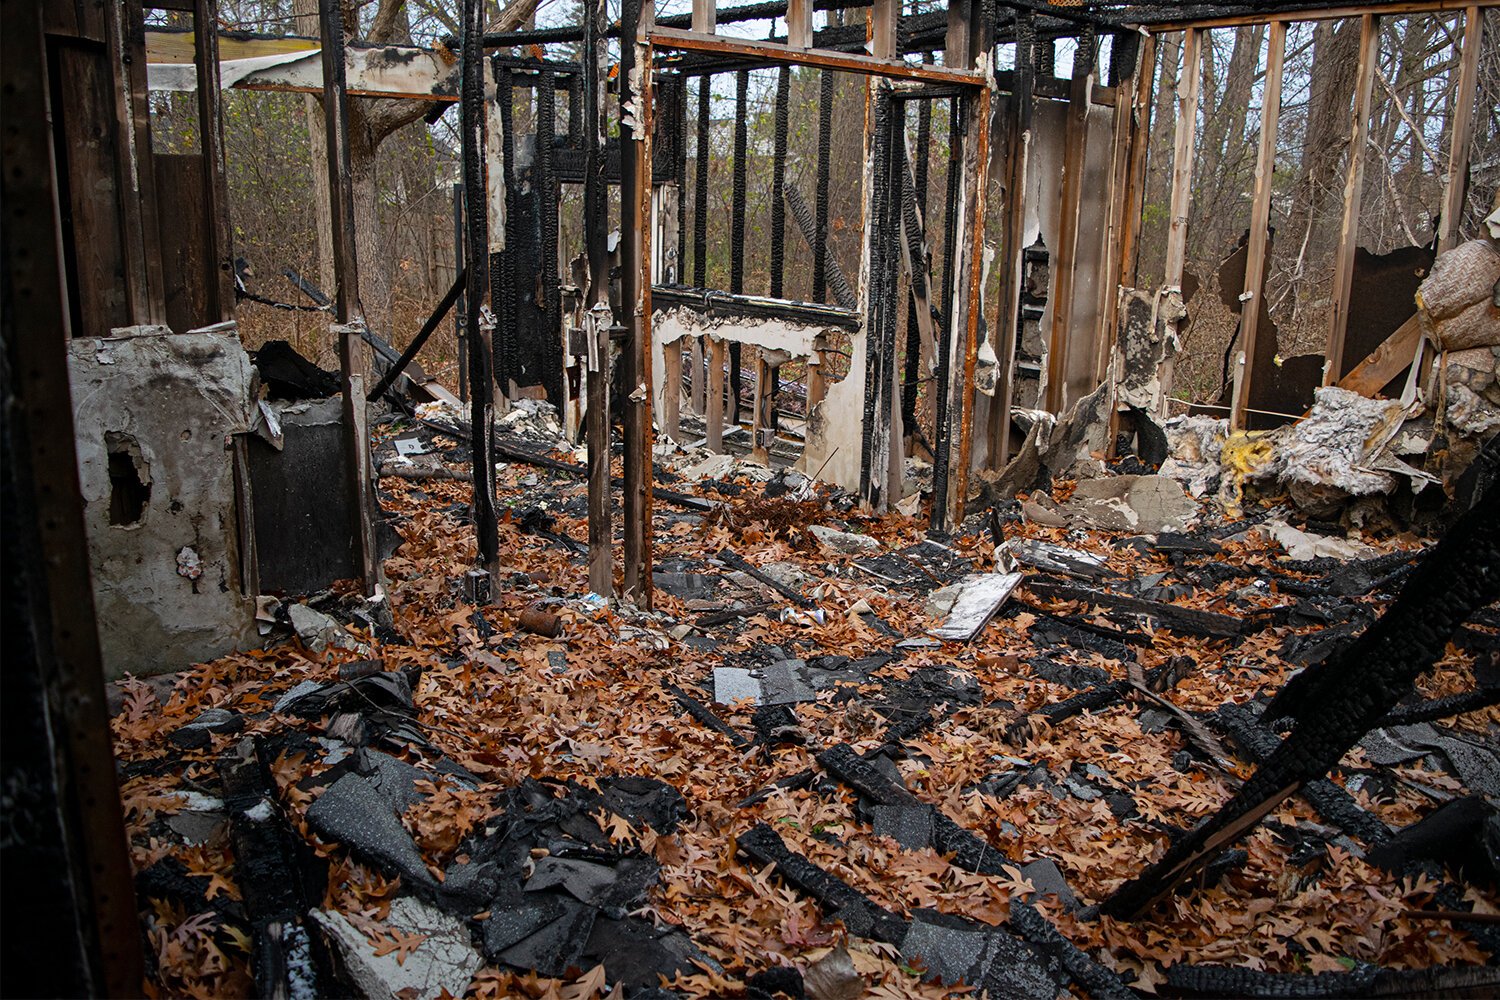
(980, 596)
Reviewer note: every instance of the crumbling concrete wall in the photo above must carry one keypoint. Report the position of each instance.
(153, 412)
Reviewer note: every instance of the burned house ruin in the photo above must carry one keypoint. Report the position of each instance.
(870, 498)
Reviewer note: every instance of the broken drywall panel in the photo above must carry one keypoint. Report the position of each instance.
(1145, 340)
(832, 451)
(781, 339)
(1084, 328)
(152, 414)
(979, 596)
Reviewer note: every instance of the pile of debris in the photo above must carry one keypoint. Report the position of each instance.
(841, 756)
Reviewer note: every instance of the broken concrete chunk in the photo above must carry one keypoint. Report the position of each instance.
(979, 597)
(1137, 504)
(845, 542)
(442, 962)
(318, 631)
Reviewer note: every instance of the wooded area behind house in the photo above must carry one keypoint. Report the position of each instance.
(404, 178)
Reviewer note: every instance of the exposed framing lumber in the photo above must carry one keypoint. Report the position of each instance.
(771, 52)
(1385, 362)
(1394, 9)
(976, 164)
(215, 183)
(718, 354)
(884, 14)
(1460, 134)
(347, 309)
(636, 108)
(1008, 311)
(705, 16)
(1075, 147)
(1354, 179)
(139, 229)
(1184, 143)
(1127, 194)
(1260, 220)
(799, 24)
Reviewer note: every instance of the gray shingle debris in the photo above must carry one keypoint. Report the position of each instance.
(443, 963)
(609, 887)
(731, 684)
(909, 826)
(784, 683)
(353, 812)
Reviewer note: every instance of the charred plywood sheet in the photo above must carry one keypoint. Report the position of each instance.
(152, 414)
(302, 501)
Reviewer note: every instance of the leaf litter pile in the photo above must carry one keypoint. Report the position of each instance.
(741, 794)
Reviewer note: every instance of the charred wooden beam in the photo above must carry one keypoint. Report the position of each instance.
(1352, 692)
(269, 878)
(394, 371)
(862, 916)
(1189, 621)
(477, 266)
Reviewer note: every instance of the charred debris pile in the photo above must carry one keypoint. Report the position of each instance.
(1109, 739)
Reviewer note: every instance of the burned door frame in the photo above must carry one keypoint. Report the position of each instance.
(873, 385)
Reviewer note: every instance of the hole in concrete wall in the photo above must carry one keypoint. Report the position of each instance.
(129, 480)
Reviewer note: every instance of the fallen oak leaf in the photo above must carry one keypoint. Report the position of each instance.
(401, 943)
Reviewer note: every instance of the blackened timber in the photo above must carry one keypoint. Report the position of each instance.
(438, 314)
(943, 367)
(1352, 691)
(549, 339)
(1442, 708)
(507, 287)
(700, 185)
(692, 706)
(733, 559)
(1189, 621)
(1097, 981)
(839, 900)
(832, 274)
(918, 211)
(737, 227)
(597, 319)
(969, 851)
(820, 194)
(635, 290)
(778, 182)
(269, 877)
(347, 308)
(481, 382)
(1335, 805)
